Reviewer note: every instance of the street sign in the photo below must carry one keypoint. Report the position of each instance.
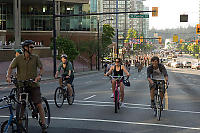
(138, 15)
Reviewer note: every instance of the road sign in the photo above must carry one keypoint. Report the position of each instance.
(138, 15)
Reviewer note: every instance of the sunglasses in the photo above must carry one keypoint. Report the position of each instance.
(117, 61)
(31, 46)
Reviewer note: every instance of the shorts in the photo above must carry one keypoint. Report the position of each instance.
(34, 93)
(68, 80)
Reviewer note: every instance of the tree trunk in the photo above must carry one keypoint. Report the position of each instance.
(91, 63)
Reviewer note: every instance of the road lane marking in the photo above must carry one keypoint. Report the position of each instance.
(89, 97)
(126, 122)
(120, 122)
(92, 103)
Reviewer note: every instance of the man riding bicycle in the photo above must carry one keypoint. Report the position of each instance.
(156, 71)
(68, 74)
(118, 70)
(26, 65)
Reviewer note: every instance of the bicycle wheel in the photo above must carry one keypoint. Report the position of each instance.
(59, 97)
(12, 128)
(46, 112)
(70, 99)
(158, 107)
(116, 101)
(14, 91)
(22, 116)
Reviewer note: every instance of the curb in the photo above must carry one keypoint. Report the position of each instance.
(51, 78)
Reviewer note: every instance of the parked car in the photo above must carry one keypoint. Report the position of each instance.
(177, 64)
(187, 64)
(196, 66)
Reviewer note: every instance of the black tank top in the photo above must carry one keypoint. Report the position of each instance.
(118, 73)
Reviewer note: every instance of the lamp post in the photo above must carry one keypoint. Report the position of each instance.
(54, 39)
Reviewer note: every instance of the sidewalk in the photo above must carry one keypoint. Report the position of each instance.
(52, 78)
(80, 68)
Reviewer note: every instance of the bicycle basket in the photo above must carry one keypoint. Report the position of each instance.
(126, 83)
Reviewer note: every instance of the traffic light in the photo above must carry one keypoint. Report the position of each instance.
(160, 40)
(154, 11)
(141, 39)
(175, 38)
(197, 41)
(181, 40)
(198, 29)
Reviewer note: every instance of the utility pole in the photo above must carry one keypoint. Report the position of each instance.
(98, 67)
(54, 39)
(117, 28)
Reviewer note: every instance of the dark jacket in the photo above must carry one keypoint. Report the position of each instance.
(161, 68)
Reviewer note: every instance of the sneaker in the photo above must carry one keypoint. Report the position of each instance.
(122, 104)
(112, 95)
(44, 128)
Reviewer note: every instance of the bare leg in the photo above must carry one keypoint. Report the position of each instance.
(69, 89)
(122, 91)
(113, 86)
(41, 112)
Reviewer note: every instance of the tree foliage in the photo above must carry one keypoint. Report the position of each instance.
(66, 46)
(132, 33)
(90, 47)
(108, 34)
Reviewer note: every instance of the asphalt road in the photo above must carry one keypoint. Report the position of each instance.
(93, 109)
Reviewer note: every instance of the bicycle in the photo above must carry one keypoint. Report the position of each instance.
(158, 107)
(116, 91)
(11, 125)
(61, 93)
(25, 97)
(14, 91)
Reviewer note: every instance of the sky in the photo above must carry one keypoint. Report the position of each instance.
(169, 12)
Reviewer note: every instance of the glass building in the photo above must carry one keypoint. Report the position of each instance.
(36, 16)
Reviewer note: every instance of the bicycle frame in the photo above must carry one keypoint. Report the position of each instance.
(116, 90)
(11, 115)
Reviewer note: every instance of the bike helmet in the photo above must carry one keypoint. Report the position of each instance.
(19, 51)
(27, 43)
(64, 56)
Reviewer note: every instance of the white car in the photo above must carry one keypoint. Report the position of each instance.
(196, 66)
(187, 64)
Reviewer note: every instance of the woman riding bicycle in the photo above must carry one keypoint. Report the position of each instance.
(118, 70)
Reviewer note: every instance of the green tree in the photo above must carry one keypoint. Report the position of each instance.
(108, 34)
(66, 46)
(89, 47)
(132, 33)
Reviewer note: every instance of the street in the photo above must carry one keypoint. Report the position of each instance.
(93, 109)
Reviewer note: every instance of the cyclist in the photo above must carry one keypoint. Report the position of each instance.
(156, 71)
(68, 74)
(18, 52)
(118, 70)
(26, 65)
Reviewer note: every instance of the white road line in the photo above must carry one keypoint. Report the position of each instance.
(126, 122)
(89, 97)
(92, 103)
(121, 122)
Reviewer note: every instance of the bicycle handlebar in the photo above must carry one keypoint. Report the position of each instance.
(11, 96)
(118, 77)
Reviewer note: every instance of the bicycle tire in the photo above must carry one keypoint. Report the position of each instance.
(14, 125)
(116, 102)
(25, 116)
(14, 91)
(46, 111)
(158, 102)
(70, 102)
(59, 93)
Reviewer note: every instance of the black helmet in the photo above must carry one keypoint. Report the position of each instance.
(27, 43)
(64, 56)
